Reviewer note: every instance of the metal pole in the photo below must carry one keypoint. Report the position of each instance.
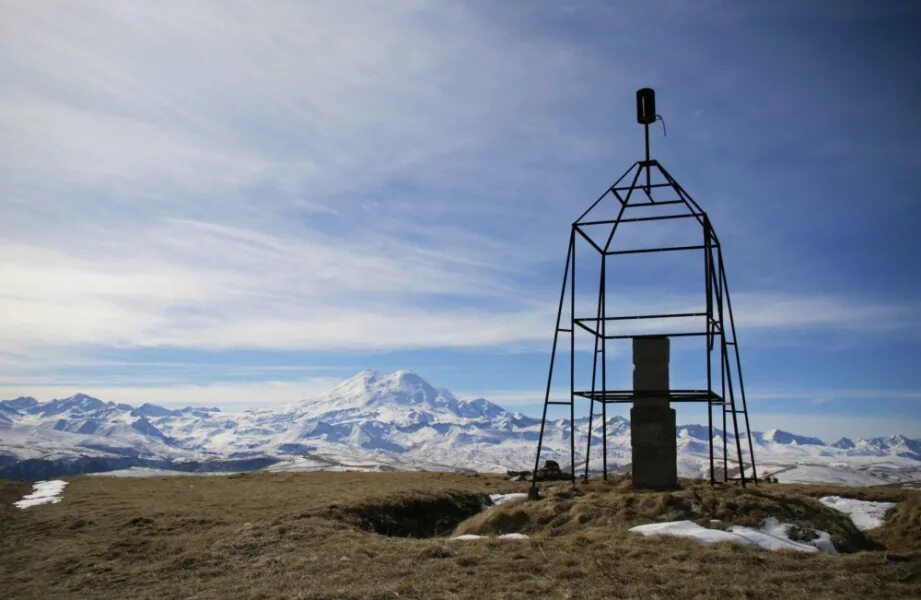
(648, 182)
(735, 345)
(572, 364)
(682, 193)
(604, 369)
(719, 308)
(708, 290)
(735, 413)
(591, 409)
(556, 335)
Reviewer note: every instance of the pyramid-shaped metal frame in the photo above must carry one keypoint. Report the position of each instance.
(725, 391)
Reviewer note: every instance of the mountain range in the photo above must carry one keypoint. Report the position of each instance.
(380, 421)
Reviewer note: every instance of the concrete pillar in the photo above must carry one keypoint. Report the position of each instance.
(652, 420)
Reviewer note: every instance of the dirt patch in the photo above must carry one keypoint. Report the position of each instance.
(414, 516)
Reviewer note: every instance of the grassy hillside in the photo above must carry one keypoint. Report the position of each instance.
(344, 535)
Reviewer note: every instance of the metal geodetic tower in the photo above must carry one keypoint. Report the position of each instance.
(645, 196)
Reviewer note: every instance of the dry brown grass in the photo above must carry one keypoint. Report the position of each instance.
(312, 536)
(614, 505)
(10, 491)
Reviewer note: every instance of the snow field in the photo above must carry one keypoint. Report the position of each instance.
(148, 472)
(864, 513)
(43, 492)
(773, 535)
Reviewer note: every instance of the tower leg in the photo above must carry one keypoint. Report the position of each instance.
(572, 363)
(556, 336)
(604, 365)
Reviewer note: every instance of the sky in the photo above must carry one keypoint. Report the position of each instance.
(242, 204)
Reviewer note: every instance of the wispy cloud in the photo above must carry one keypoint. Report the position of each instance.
(209, 184)
(842, 312)
(816, 397)
(205, 285)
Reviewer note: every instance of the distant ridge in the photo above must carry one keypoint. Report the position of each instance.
(378, 421)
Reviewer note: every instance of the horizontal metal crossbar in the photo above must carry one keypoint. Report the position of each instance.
(594, 331)
(637, 219)
(666, 249)
(646, 335)
(622, 396)
(660, 218)
(659, 203)
(636, 317)
(625, 188)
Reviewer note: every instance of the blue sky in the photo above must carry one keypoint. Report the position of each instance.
(241, 204)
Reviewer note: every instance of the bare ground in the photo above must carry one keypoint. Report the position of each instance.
(384, 535)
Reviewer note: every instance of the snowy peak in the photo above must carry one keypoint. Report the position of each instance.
(904, 446)
(898, 445)
(369, 390)
(152, 410)
(618, 425)
(407, 388)
(898, 440)
(21, 403)
(76, 404)
(479, 409)
(358, 384)
(779, 436)
(697, 432)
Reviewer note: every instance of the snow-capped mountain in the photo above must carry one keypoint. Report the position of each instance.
(784, 437)
(380, 421)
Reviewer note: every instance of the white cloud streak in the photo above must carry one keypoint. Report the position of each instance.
(306, 177)
(173, 192)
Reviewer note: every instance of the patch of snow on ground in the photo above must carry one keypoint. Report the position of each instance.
(865, 514)
(687, 529)
(826, 474)
(148, 472)
(472, 536)
(775, 535)
(43, 492)
(772, 536)
(498, 499)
